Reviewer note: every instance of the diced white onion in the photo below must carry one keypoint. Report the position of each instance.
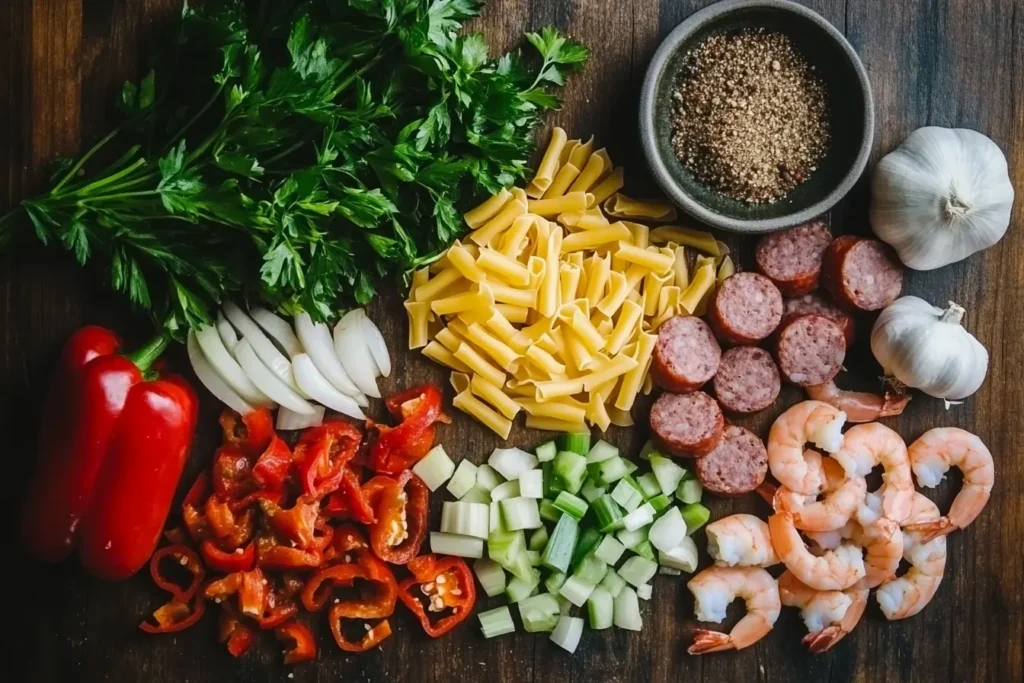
(272, 358)
(227, 367)
(668, 531)
(683, 557)
(511, 462)
(353, 353)
(567, 633)
(640, 517)
(278, 329)
(627, 610)
(378, 348)
(531, 484)
(269, 383)
(288, 420)
(645, 591)
(435, 468)
(316, 340)
(316, 386)
(227, 333)
(211, 380)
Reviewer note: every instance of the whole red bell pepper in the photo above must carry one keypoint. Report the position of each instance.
(105, 483)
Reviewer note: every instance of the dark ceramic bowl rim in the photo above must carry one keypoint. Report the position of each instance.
(664, 175)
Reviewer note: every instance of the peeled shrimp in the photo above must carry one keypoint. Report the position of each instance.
(931, 457)
(883, 549)
(843, 496)
(812, 421)
(828, 615)
(715, 587)
(834, 570)
(907, 595)
(867, 445)
(741, 540)
(859, 406)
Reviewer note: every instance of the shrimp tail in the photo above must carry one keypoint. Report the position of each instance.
(932, 529)
(824, 639)
(859, 406)
(705, 641)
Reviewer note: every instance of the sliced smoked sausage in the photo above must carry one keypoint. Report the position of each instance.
(818, 304)
(747, 380)
(792, 259)
(745, 309)
(688, 425)
(686, 354)
(738, 465)
(861, 274)
(810, 350)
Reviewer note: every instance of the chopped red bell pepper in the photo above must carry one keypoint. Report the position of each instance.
(252, 593)
(274, 464)
(374, 636)
(372, 579)
(347, 538)
(400, 511)
(179, 555)
(219, 516)
(219, 590)
(232, 472)
(323, 534)
(398, 448)
(228, 562)
(255, 497)
(271, 555)
(275, 615)
(322, 453)
(304, 646)
(175, 616)
(295, 524)
(234, 633)
(349, 501)
(251, 432)
(199, 491)
(446, 583)
(290, 586)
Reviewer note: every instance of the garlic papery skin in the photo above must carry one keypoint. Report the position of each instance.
(941, 196)
(926, 348)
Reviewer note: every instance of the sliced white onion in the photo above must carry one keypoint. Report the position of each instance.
(316, 340)
(378, 349)
(227, 367)
(353, 353)
(288, 420)
(319, 389)
(267, 381)
(278, 329)
(265, 350)
(226, 331)
(211, 380)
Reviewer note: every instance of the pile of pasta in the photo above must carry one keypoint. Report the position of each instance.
(552, 303)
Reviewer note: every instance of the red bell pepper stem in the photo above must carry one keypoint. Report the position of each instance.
(144, 356)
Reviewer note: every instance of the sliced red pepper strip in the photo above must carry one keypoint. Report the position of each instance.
(271, 555)
(252, 593)
(374, 637)
(174, 616)
(243, 531)
(304, 645)
(400, 509)
(222, 589)
(232, 472)
(238, 560)
(199, 491)
(219, 516)
(322, 453)
(276, 615)
(251, 432)
(295, 524)
(196, 522)
(253, 498)
(375, 584)
(274, 464)
(323, 535)
(349, 501)
(347, 538)
(234, 633)
(398, 448)
(290, 586)
(183, 556)
(447, 583)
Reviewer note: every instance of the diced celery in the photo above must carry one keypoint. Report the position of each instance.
(599, 608)
(534, 557)
(576, 591)
(496, 523)
(649, 485)
(660, 502)
(491, 576)
(476, 495)
(546, 451)
(627, 610)
(569, 469)
(601, 451)
(531, 484)
(509, 489)
(631, 467)
(645, 591)
(571, 505)
(637, 570)
(496, 622)
(465, 519)
(511, 462)
(632, 539)
(626, 496)
(689, 491)
(460, 546)
(558, 552)
(435, 468)
(508, 548)
(520, 513)
(574, 443)
(555, 581)
(588, 540)
(520, 589)
(548, 511)
(463, 480)
(646, 451)
(591, 570)
(551, 484)
(645, 550)
(590, 492)
(487, 477)
(668, 530)
(539, 613)
(613, 583)
(609, 550)
(608, 471)
(567, 633)
(564, 606)
(538, 539)
(607, 514)
(695, 515)
(668, 473)
(640, 517)
(683, 557)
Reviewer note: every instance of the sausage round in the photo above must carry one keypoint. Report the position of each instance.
(745, 309)
(792, 259)
(810, 350)
(747, 380)
(738, 465)
(686, 354)
(819, 305)
(860, 273)
(687, 424)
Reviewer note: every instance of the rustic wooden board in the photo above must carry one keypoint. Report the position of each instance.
(941, 62)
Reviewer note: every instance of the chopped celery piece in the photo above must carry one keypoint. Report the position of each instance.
(509, 489)
(588, 540)
(631, 467)
(683, 557)
(511, 462)
(607, 514)
(548, 511)
(669, 571)
(487, 477)
(576, 591)
(667, 472)
(564, 606)
(555, 581)
(475, 495)
(609, 550)
(435, 468)
(496, 622)
(571, 505)
(613, 583)
(689, 491)
(638, 570)
(569, 470)
(647, 450)
(508, 548)
(640, 517)
(668, 530)
(538, 539)
(626, 608)
(601, 451)
(463, 480)
(460, 546)
(546, 451)
(567, 633)
(649, 485)
(491, 576)
(645, 591)
(599, 608)
(634, 483)
(534, 557)
(466, 519)
(591, 570)
(531, 484)
(539, 613)
(695, 515)
(558, 552)
(626, 496)
(608, 471)
(574, 443)
(645, 550)
(660, 502)
(495, 519)
(632, 539)
(520, 589)
(590, 492)
(520, 513)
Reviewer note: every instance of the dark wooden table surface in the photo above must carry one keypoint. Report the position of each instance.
(934, 62)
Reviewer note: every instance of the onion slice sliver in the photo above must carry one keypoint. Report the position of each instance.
(261, 344)
(269, 383)
(211, 380)
(352, 351)
(316, 340)
(227, 367)
(319, 389)
(375, 343)
(288, 420)
(278, 329)
(226, 331)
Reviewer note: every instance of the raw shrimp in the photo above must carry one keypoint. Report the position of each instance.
(867, 445)
(843, 496)
(741, 540)
(932, 455)
(907, 595)
(828, 615)
(883, 549)
(859, 406)
(812, 421)
(715, 587)
(834, 570)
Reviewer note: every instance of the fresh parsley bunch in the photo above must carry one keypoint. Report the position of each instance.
(297, 152)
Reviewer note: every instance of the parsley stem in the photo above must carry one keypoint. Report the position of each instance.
(284, 153)
(73, 171)
(195, 117)
(120, 195)
(111, 179)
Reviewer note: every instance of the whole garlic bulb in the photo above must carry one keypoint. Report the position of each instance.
(926, 348)
(942, 195)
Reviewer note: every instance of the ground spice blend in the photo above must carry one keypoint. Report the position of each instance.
(750, 115)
